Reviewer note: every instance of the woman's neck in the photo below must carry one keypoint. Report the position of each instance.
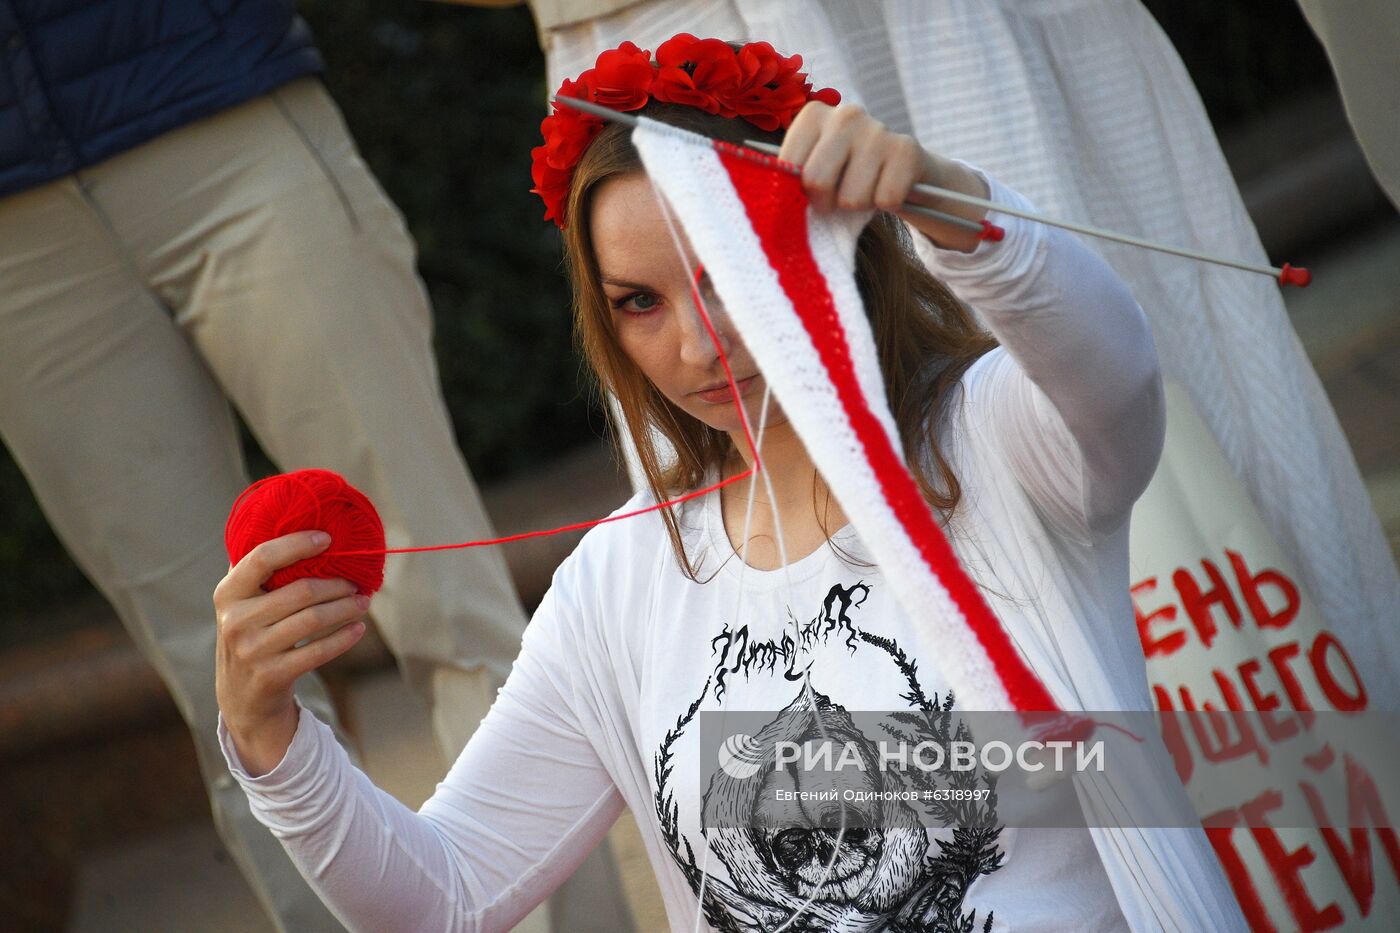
(789, 498)
(788, 466)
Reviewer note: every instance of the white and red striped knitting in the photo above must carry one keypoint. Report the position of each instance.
(786, 276)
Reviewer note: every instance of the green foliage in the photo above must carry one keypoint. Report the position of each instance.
(1246, 57)
(35, 570)
(445, 102)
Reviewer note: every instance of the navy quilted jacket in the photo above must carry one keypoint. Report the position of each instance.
(84, 79)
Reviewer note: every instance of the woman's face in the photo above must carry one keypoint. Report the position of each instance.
(654, 314)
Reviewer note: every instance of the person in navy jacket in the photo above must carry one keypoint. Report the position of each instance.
(186, 228)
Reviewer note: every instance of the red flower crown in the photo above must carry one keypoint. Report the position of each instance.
(755, 83)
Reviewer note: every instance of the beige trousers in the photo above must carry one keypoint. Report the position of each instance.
(249, 257)
(1362, 40)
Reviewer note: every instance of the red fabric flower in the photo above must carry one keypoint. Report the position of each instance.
(622, 78)
(771, 89)
(701, 73)
(755, 83)
(551, 184)
(567, 133)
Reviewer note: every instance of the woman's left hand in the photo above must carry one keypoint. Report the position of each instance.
(852, 161)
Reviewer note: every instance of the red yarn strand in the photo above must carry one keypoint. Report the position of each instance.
(252, 520)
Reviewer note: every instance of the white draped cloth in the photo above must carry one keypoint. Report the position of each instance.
(1084, 106)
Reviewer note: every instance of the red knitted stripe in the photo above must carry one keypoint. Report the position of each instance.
(777, 208)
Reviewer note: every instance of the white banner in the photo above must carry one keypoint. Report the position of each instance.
(1226, 625)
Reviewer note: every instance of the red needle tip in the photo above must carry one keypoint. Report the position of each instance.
(991, 231)
(1294, 275)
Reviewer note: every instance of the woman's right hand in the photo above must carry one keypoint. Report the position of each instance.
(258, 660)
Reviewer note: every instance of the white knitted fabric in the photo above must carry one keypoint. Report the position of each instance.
(696, 184)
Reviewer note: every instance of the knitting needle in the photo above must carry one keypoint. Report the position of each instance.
(1286, 275)
(985, 229)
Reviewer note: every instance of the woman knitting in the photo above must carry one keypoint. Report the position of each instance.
(1030, 448)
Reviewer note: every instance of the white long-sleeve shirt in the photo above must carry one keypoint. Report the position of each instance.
(1052, 436)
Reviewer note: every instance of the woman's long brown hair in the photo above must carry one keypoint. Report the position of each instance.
(924, 336)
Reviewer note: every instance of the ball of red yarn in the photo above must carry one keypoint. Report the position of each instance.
(311, 500)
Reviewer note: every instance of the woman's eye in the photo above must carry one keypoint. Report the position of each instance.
(636, 303)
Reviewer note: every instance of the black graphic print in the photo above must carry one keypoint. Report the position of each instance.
(886, 876)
